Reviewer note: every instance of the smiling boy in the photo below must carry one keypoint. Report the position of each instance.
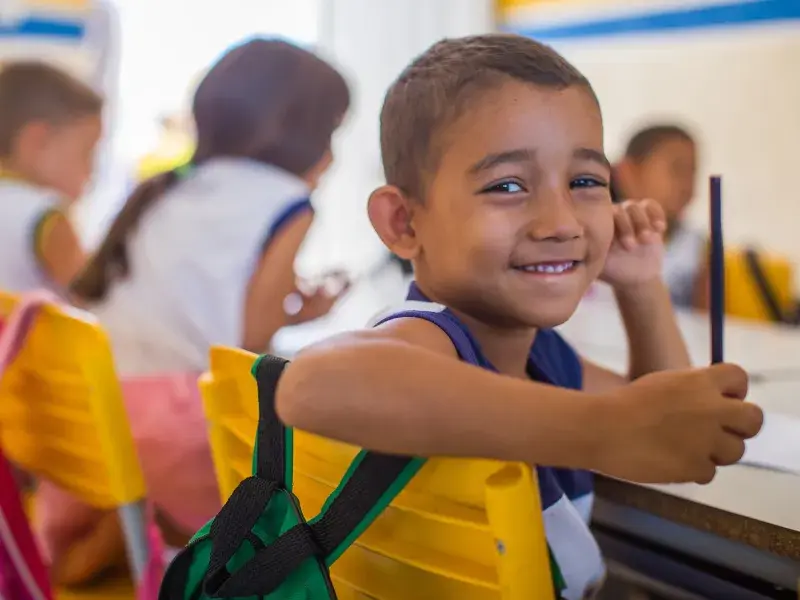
(498, 192)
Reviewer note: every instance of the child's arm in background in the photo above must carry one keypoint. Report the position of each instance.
(273, 280)
(87, 556)
(633, 269)
(655, 342)
(401, 389)
(58, 249)
(78, 541)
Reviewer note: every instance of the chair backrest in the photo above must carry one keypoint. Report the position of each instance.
(744, 299)
(62, 417)
(466, 530)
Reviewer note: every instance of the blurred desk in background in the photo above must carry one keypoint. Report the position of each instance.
(767, 351)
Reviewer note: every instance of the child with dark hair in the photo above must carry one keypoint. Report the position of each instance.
(204, 255)
(660, 163)
(498, 193)
(50, 124)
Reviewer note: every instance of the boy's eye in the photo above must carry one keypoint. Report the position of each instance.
(505, 187)
(587, 182)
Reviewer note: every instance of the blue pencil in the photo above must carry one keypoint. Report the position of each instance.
(716, 263)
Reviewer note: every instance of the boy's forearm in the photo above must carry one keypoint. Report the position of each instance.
(655, 342)
(400, 399)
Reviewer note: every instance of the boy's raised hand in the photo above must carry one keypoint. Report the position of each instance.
(677, 426)
(637, 252)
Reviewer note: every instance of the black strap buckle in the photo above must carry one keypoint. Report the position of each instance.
(232, 525)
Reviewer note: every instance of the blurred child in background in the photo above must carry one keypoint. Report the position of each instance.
(204, 255)
(660, 163)
(50, 125)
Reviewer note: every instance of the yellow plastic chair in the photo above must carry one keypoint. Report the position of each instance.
(742, 296)
(62, 418)
(461, 530)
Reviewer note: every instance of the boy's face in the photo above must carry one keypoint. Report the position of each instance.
(61, 157)
(517, 220)
(667, 175)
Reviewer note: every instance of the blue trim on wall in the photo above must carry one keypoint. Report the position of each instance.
(664, 21)
(48, 28)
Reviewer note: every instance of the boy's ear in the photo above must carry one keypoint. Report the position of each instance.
(390, 212)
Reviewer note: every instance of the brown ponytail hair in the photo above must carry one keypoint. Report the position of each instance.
(264, 100)
(110, 261)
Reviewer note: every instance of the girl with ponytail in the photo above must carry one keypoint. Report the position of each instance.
(200, 256)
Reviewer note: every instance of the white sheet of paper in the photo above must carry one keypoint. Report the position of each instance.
(777, 446)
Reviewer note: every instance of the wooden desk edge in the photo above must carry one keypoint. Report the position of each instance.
(752, 532)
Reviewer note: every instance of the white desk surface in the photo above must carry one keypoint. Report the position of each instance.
(596, 331)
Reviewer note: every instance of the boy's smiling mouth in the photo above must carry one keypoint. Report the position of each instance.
(550, 267)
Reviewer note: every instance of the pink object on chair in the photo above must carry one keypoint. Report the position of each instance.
(169, 429)
(23, 575)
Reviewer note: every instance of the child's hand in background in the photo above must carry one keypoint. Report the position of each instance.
(637, 252)
(315, 299)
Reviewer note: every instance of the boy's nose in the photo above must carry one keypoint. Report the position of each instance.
(554, 218)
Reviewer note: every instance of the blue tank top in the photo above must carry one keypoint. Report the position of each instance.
(567, 494)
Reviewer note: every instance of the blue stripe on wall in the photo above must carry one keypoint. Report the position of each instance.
(50, 28)
(703, 17)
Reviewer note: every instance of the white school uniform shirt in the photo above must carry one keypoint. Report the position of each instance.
(191, 260)
(81, 37)
(22, 207)
(683, 259)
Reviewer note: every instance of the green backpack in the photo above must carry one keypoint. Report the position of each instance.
(260, 546)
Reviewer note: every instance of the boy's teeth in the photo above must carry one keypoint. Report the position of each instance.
(549, 268)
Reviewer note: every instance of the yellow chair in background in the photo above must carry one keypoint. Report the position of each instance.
(62, 418)
(743, 297)
(175, 147)
(461, 530)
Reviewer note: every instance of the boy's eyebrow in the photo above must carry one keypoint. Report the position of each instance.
(592, 155)
(519, 155)
(510, 156)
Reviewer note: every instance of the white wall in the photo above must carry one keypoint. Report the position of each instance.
(737, 86)
(371, 41)
(740, 90)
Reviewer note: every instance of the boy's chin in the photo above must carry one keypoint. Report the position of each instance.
(551, 314)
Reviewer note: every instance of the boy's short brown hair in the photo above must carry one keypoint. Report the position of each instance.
(433, 90)
(35, 91)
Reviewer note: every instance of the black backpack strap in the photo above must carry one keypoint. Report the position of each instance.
(373, 481)
(764, 286)
(272, 458)
(369, 485)
(177, 576)
(272, 467)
